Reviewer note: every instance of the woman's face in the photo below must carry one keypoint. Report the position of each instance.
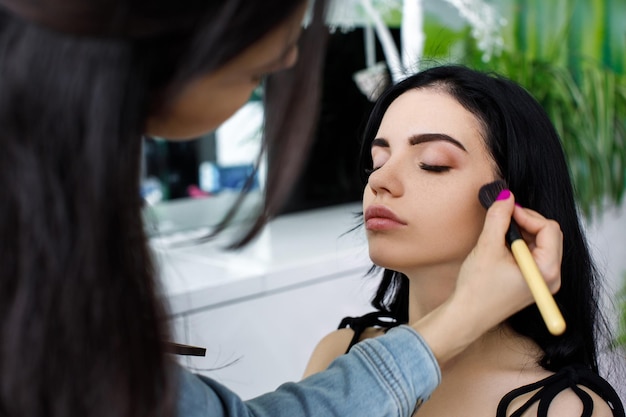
(421, 204)
(207, 102)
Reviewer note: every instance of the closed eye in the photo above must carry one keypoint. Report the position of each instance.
(434, 168)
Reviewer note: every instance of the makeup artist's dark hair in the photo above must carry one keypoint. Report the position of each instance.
(529, 156)
(82, 325)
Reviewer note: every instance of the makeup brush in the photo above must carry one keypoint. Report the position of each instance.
(545, 301)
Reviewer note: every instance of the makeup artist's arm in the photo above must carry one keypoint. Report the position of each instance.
(480, 302)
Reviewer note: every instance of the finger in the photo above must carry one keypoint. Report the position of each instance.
(530, 211)
(497, 221)
(533, 223)
(528, 219)
(526, 235)
(545, 242)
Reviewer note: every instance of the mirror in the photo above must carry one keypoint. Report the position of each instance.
(189, 185)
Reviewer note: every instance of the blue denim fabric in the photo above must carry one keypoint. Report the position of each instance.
(388, 376)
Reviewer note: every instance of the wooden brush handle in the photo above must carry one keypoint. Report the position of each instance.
(545, 301)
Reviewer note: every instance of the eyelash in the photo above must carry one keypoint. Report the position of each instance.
(434, 168)
(425, 167)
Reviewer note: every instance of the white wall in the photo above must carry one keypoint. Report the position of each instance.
(607, 240)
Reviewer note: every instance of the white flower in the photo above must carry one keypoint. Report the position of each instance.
(486, 25)
(348, 14)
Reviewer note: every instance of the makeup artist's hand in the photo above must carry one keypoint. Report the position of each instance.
(490, 287)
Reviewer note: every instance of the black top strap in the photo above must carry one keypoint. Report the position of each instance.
(570, 377)
(359, 324)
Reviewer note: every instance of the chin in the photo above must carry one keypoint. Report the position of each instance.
(383, 260)
(182, 129)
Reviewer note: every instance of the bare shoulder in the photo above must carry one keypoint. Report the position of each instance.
(332, 346)
(328, 349)
(568, 404)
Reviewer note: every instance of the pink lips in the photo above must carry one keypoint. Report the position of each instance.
(381, 218)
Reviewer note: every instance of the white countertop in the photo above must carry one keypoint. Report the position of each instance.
(294, 249)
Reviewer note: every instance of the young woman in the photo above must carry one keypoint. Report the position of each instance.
(82, 328)
(430, 144)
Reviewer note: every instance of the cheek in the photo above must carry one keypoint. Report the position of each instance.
(452, 225)
(465, 220)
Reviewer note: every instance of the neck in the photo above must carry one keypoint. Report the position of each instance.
(499, 349)
(429, 287)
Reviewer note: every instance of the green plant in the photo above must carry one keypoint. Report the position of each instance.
(586, 91)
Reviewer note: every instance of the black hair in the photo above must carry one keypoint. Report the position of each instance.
(82, 324)
(529, 157)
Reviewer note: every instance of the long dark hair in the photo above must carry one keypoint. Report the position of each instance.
(529, 156)
(82, 326)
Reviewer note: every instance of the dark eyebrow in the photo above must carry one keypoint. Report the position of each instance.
(422, 138)
(380, 142)
(431, 137)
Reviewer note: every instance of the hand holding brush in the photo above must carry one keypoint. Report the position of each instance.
(543, 298)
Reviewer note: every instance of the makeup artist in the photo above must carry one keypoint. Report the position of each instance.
(82, 327)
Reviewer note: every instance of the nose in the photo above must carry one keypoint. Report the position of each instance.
(386, 179)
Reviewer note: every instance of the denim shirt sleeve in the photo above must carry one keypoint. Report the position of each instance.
(387, 376)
